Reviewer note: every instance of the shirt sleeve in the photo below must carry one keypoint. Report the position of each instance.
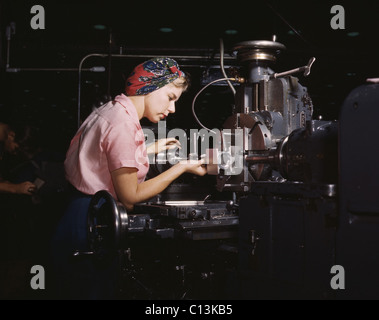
(124, 146)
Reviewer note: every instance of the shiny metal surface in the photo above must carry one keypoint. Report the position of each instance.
(182, 203)
(258, 50)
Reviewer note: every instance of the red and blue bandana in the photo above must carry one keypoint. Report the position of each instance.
(152, 75)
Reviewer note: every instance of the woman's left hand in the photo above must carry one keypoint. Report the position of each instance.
(162, 145)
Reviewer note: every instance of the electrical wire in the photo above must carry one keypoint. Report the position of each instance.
(289, 25)
(222, 65)
(194, 100)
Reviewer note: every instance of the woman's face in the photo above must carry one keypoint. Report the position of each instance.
(161, 102)
(10, 145)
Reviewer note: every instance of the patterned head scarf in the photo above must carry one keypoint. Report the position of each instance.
(152, 75)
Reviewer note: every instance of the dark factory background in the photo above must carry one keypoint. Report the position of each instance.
(39, 68)
(74, 29)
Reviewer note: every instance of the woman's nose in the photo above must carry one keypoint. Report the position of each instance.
(171, 107)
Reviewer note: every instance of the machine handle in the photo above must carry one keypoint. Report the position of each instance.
(306, 69)
(83, 253)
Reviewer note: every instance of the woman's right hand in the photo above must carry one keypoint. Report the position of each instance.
(194, 166)
(27, 188)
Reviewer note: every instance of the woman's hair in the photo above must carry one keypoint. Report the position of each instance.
(183, 82)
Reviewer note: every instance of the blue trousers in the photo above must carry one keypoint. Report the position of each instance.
(83, 277)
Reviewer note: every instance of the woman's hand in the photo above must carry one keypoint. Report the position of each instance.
(27, 188)
(194, 166)
(162, 145)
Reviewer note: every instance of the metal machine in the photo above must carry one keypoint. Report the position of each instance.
(288, 186)
(275, 118)
(279, 228)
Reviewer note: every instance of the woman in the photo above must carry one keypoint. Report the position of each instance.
(109, 153)
(10, 143)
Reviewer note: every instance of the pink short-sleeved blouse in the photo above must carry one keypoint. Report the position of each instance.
(110, 138)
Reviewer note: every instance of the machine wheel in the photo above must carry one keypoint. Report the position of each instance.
(107, 225)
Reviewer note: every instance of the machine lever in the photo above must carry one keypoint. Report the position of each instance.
(306, 69)
(82, 253)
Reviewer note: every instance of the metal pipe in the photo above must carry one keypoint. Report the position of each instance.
(8, 52)
(258, 158)
(15, 70)
(80, 80)
(109, 62)
(8, 36)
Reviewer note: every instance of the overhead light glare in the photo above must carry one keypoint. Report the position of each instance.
(166, 30)
(231, 32)
(99, 27)
(353, 34)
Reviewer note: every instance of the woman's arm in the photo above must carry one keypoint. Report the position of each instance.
(27, 188)
(129, 192)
